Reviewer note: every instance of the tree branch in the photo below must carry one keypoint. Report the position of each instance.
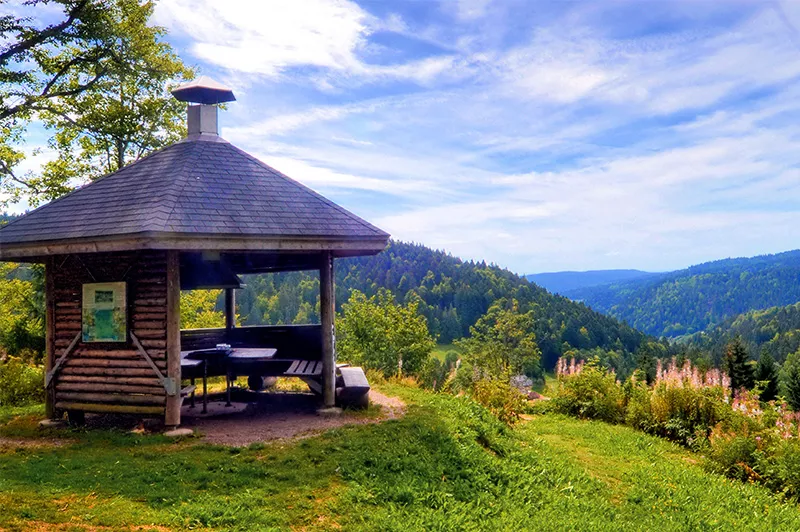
(44, 35)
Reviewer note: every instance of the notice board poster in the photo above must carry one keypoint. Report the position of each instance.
(104, 312)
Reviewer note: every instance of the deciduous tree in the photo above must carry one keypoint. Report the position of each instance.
(379, 333)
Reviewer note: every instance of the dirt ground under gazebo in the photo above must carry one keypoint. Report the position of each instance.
(254, 417)
(280, 416)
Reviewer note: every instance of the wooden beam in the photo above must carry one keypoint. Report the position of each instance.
(230, 309)
(110, 409)
(50, 331)
(172, 241)
(172, 415)
(326, 318)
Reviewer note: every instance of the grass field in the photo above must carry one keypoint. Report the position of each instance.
(447, 465)
(441, 350)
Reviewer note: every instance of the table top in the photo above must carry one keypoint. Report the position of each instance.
(252, 353)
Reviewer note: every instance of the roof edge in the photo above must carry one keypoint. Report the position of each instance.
(347, 246)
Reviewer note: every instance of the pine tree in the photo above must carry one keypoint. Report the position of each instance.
(791, 380)
(738, 366)
(767, 376)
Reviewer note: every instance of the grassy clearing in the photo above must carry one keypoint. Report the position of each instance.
(441, 350)
(446, 465)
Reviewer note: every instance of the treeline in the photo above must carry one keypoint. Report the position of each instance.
(775, 331)
(452, 295)
(697, 298)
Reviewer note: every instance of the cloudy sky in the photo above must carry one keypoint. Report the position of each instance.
(538, 135)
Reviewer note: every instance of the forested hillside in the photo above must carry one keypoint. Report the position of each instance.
(774, 330)
(694, 299)
(453, 294)
(563, 282)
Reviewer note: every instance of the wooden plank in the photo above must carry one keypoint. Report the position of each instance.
(150, 362)
(110, 409)
(106, 398)
(172, 415)
(293, 367)
(54, 370)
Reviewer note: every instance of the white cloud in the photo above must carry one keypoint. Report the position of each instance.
(265, 37)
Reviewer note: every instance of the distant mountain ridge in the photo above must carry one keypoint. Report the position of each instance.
(562, 282)
(699, 297)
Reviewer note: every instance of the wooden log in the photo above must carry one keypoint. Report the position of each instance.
(68, 326)
(68, 304)
(172, 414)
(50, 331)
(112, 363)
(110, 379)
(110, 409)
(151, 302)
(149, 333)
(118, 388)
(326, 303)
(111, 398)
(149, 316)
(153, 325)
(109, 372)
(149, 342)
(65, 313)
(157, 354)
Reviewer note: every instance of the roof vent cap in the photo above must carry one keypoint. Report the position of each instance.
(204, 90)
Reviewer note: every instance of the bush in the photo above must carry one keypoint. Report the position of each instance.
(20, 383)
(592, 393)
(679, 412)
(503, 400)
(378, 333)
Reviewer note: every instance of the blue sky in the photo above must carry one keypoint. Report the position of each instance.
(538, 135)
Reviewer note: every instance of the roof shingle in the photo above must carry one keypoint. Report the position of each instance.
(193, 187)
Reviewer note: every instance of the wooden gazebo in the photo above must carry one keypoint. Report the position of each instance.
(195, 214)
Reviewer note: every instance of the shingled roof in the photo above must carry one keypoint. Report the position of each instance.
(201, 193)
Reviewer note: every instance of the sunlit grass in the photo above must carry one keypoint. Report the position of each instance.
(446, 465)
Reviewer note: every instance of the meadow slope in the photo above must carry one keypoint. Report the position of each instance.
(447, 465)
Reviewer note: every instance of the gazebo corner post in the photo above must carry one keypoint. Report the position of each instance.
(230, 309)
(50, 333)
(326, 303)
(172, 414)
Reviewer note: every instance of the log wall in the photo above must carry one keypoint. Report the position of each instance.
(111, 376)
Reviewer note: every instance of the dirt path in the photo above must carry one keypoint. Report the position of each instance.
(280, 416)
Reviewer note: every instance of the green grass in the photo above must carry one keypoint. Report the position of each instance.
(447, 465)
(441, 350)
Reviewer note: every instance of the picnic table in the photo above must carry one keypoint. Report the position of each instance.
(221, 360)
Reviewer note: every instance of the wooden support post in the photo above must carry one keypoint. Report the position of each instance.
(50, 331)
(172, 416)
(326, 303)
(230, 309)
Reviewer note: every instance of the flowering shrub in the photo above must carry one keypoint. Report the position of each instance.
(588, 391)
(682, 405)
